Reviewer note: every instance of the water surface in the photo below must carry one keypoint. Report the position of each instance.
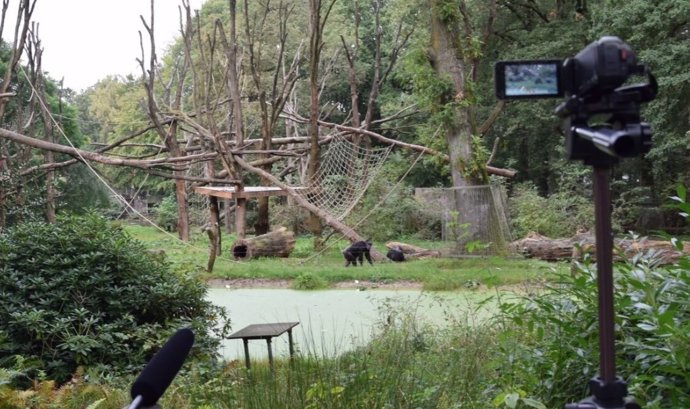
(334, 321)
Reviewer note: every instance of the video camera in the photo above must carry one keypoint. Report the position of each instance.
(592, 83)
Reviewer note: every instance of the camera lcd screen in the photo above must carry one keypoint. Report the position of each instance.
(528, 79)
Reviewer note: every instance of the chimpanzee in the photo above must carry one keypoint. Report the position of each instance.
(357, 251)
(396, 254)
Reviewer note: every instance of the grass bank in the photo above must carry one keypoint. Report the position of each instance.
(307, 269)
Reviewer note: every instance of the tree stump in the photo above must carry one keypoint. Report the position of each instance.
(278, 243)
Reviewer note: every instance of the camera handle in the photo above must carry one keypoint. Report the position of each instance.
(608, 391)
(629, 141)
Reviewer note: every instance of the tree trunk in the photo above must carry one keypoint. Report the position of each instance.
(449, 65)
(315, 45)
(213, 226)
(51, 194)
(180, 185)
(228, 209)
(262, 214)
(262, 224)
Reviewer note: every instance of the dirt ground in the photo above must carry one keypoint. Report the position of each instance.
(266, 283)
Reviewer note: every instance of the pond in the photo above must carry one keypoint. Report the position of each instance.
(334, 321)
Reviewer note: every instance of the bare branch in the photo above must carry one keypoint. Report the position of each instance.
(493, 116)
(82, 155)
(409, 146)
(494, 149)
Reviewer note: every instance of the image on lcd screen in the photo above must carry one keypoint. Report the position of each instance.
(531, 79)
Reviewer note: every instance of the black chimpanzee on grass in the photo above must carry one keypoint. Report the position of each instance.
(357, 251)
(396, 254)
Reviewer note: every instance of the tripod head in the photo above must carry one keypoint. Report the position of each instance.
(620, 131)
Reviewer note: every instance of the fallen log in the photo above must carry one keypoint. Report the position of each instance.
(574, 248)
(411, 251)
(278, 243)
(544, 248)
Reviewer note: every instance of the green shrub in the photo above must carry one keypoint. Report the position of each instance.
(393, 214)
(560, 215)
(556, 340)
(308, 281)
(166, 213)
(81, 292)
(291, 216)
(628, 206)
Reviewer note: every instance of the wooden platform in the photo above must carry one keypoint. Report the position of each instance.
(249, 192)
(267, 332)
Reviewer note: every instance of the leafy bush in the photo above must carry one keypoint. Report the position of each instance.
(559, 215)
(391, 214)
(166, 213)
(557, 336)
(291, 216)
(628, 205)
(81, 292)
(308, 281)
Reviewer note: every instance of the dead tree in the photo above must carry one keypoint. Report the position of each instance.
(380, 71)
(40, 103)
(205, 109)
(168, 134)
(318, 15)
(7, 158)
(272, 97)
(230, 46)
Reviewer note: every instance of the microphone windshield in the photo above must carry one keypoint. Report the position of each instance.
(163, 367)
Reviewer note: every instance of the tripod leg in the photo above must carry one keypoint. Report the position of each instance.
(604, 253)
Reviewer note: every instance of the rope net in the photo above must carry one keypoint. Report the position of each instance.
(347, 169)
(198, 207)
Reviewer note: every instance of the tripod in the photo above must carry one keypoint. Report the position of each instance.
(623, 136)
(608, 391)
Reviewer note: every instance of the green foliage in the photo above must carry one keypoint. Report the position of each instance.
(530, 143)
(80, 393)
(559, 215)
(627, 207)
(449, 11)
(514, 399)
(167, 213)
(661, 38)
(308, 281)
(82, 292)
(475, 168)
(389, 210)
(23, 187)
(652, 315)
(680, 201)
(81, 191)
(556, 335)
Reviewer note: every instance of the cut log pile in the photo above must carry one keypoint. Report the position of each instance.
(545, 248)
(278, 243)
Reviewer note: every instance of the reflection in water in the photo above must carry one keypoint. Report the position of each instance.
(334, 321)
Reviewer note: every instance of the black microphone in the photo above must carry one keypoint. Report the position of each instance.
(161, 370)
